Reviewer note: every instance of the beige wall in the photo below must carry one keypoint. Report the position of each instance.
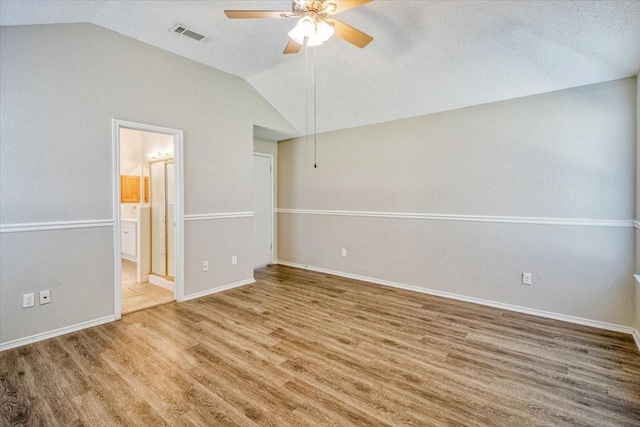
(563, 155)
(61, 87)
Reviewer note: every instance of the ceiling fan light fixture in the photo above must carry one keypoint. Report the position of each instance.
(313, 41)
(296, 36)
(304, 28)
(315, 24)
(314, 33)
(330, 8)
(324, 30)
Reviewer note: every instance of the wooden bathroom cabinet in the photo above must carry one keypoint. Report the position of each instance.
(129, 189)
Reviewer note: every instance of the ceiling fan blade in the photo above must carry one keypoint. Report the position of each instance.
(342, 5)
(253, 14)
(292, 47)
(350, 34)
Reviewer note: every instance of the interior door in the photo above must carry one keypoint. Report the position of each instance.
(263, 210)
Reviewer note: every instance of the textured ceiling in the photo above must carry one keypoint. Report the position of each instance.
(426, 56)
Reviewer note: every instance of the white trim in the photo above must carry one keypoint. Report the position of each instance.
(115, 197)
(636, 334)
(57, 225)
(472, 218)
(218, 289)
(519, 309)
(178, 162)
(129, 257)
(55, 333)
(636, 338)
(162, 282)
(210, 216)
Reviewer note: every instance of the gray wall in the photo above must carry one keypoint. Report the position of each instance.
(60, 87)
(568, 155)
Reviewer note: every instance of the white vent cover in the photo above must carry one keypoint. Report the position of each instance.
(184, 31)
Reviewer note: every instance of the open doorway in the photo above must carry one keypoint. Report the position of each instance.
(148, 211)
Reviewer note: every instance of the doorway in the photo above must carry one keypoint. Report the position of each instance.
(263, 224)
(148, 213)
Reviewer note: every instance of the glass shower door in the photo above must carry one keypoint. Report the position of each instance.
(163, 225)
(171, 222)
(158, 219)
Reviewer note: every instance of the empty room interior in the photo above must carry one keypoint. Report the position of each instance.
(320, 213)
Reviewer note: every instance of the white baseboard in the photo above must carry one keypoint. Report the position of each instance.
(162, 282)
(218, 289)
(91, 323)
(510, 307)
(636, 338)
(55, 333)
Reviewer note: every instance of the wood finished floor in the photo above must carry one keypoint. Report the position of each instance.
(304, 348)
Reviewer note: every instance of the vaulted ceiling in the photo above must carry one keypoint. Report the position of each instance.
(426, 56)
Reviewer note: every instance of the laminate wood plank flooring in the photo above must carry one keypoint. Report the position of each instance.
(300, 348)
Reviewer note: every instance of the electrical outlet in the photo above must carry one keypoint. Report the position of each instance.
(344, 252)
(526, 278)
(205, 265)
(28, 300)
(45, 297)
(234, 260)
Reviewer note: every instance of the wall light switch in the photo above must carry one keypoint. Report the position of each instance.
(344, 252)
(526, 278)
(234, 260)
(205, 265)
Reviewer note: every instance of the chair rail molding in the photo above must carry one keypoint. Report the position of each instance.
(55, 225)
(625, 223)
(211, 216)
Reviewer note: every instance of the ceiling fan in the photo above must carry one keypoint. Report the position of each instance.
(316, 23)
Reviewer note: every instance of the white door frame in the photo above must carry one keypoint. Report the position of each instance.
(179, 183)
(272, 210)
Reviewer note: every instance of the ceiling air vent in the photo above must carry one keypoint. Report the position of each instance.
(184, 31)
